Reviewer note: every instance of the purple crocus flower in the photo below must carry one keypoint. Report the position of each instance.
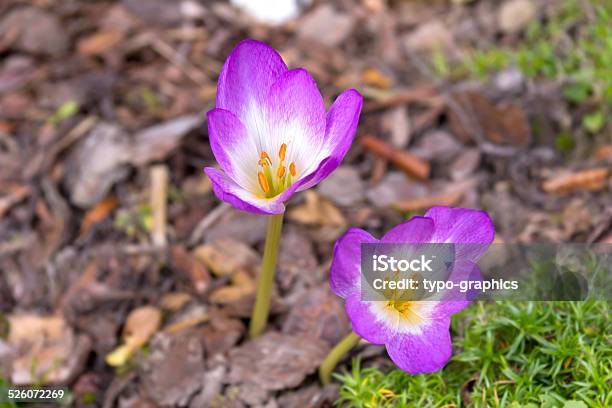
(270, 132)
(416, 333)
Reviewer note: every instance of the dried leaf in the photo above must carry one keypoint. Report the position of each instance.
(174, 301)
(503, 123)
(140, 325)
(414, 204)
(98, 213)
(589, 180)
(192, 267)
(226, 256)
(243, 287)
(46, 350)
(603, 152)
(173, 370)
(376, 78)
(316, 211)
(99, 42)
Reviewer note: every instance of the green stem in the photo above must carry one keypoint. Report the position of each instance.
(259, 318)
(334, 356)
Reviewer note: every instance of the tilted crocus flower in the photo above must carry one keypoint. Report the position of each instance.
(272, 137)
(416, 334)
(270, 132)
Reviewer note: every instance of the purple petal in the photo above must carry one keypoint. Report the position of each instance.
(340, 128)
(295, 115)
(451, 301)
(424, 352)
(463, 226)
(345, 269)
(232, 146)
(367, 321)
(246, 76)
(227, 190)
(414, 231)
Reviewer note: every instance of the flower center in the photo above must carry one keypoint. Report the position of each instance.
(401, 306)
(275, 181)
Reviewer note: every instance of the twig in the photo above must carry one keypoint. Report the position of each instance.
(412, 165)
(424, 94)
(159, 196)
(206, 222)
(15, 195)
(185, 66)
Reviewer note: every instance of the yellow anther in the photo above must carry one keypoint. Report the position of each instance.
(280, 172)
(263, 162)
(282, 151)
(263, 183)
(292, 169)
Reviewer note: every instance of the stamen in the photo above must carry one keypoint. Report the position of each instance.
(263, 183)
(283, 150)
(292, 169)
(265, 159)
(280, 172)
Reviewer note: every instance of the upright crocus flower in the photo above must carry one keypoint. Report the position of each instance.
(270, 132)
(271, 136)
(415, 333)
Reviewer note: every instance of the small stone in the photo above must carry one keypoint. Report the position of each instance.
(296, 259)
(174, 369)
(343, 187)
(397, 123)
(437, 145)
(326, 25)
(514, 15)
(213, 385)
(35, 30)
(430, 36)
(395, 186)
(96, 164)
(156, 11)
(238, 225)
(318, 314)
(221, 334)
(509, 81)
(465, 164)
(275, 361)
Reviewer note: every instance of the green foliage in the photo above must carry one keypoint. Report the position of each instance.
(573, 47)
(136, 221)
(507, 354)
(594, 121)
(67, 110)
(564, 142)
(4, 387)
